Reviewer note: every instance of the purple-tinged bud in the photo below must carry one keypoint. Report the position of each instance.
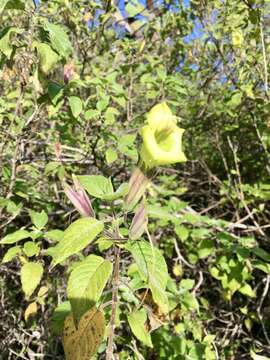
(68, 72)
(139, 223)
(137, 186)
(79, 198)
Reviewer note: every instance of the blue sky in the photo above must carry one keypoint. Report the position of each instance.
(196, 33)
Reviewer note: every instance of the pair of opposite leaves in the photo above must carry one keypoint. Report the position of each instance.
(82, 342)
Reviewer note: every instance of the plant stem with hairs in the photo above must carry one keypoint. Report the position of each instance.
(115, 281)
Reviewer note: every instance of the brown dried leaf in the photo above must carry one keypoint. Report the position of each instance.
(81, 343)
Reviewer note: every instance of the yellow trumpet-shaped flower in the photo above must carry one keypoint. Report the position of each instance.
(162, 138)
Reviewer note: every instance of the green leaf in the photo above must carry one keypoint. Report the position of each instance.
(126, 146)
(189, 301)
(48, 57)
(153, 270)
(76, 105)
(206, 248)
(30, 248)
(76, 237)
(103, 103)
(111, 155)
(31, 274)
(14, 237)
(182, 232)
(247, 291)
(3, 3)
(101, 187)
(121, 101)
(137, 320)
(54, 235)
(55, 92)
(12, 4)
(5, 42)
(86, 283)
(39, 219)
(11, 253)
(235, 100)
(97, 185)
(59, 315)
(104, 244)
(158, 212)
(91, 114)
(110, 115)
(59, 39)
(261, 253)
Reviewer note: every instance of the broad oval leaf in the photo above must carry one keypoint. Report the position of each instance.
(48, 57)
(102, 188)
(82, 342)
(153, 270)
(31, 274)
(137, 320)
(86, 283)
(76, 105)
(11, 253)
(15, 236)
(76, 237)
(59, 39)
(39, 219)
(96, 185)
(30, 248)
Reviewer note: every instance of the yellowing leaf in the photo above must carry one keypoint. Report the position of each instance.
(82, 342)
(30, 310)
(43, 291)
(31, 274)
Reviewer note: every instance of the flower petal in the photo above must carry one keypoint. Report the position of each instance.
(160, 117)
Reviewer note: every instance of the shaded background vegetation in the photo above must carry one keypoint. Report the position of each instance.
(75, 106)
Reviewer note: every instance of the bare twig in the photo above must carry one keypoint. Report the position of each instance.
(239, 189)
(265, 292)
(264, 59)
(180, 256)
(199, 283)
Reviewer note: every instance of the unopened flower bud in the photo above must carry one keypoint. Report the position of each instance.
(79, 198)
(139, 223)
(68, 72)
(137, 186)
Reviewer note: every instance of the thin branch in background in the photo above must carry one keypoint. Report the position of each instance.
(263, 144)
(265, 292)
(180, 257)
(239, 187)
(264, 60)
(199, 283)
